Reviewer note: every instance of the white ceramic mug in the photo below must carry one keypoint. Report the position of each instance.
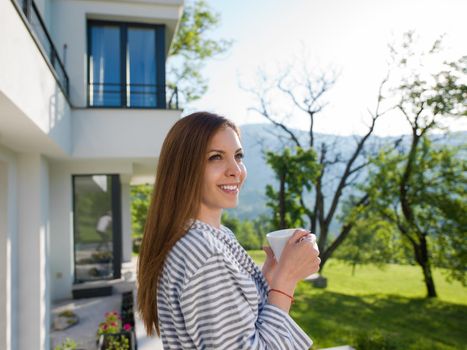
(278, 239)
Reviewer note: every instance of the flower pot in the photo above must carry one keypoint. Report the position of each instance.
(117, 341)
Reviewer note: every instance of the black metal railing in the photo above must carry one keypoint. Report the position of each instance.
(44, 41)
(119, 95)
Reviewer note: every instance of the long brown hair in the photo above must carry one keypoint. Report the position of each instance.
(175, 200)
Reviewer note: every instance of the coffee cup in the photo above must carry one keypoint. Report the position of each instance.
(278, 239)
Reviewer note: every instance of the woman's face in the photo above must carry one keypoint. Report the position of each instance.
(224, 173)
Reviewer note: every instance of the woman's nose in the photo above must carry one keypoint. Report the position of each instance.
(234, 168)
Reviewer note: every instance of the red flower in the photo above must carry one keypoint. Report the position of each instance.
(127, 327)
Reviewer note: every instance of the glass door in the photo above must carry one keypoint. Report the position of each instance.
(97, 229)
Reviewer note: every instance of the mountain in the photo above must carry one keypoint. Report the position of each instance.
(256, 138)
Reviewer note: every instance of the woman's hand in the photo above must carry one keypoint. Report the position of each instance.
(269, 265)
(299, 259)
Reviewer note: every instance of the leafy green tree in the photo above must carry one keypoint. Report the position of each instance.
(192, 46)
(430, 213)
(420, 188)
(429, 181)
(296, 171)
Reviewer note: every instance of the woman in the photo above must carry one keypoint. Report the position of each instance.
(197, 287)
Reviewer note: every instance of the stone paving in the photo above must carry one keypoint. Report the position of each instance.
(91, 311)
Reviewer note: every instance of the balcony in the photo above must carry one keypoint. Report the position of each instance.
(30, 15)
(116, 95)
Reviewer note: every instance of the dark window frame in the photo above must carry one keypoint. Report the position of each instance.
(159, 61)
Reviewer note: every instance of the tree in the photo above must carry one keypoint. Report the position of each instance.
(421, 188)
(191, 48)
(296, 172)
(434, 193)
(305, 92)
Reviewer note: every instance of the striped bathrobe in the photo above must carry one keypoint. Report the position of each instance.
(212, 295)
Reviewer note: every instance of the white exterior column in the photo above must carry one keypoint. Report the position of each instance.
(5, 291)
(33, 306)
(126, 222)
(61, 232)
(8, 268)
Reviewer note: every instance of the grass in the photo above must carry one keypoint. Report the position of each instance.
(389, 302)
(258, 256)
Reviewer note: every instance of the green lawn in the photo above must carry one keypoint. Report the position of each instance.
(258, 255)
(389, 303)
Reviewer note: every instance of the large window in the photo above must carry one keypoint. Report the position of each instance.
(126, 65)
(97, 227)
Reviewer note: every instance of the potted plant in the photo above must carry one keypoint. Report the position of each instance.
(113, 336)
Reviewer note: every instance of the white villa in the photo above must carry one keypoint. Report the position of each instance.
(84, 108)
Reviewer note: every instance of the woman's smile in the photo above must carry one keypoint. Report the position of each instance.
(230, 189)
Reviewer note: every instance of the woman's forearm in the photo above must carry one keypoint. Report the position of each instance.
(284, 284)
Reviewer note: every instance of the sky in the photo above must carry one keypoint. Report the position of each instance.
(348, 37)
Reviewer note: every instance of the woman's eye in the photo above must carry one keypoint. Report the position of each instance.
(215, 157)
(239, 156)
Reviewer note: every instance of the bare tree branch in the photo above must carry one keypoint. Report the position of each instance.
(358, 148)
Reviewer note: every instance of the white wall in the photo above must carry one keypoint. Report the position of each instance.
(119, 133)
(31, 98)
(61, 232)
